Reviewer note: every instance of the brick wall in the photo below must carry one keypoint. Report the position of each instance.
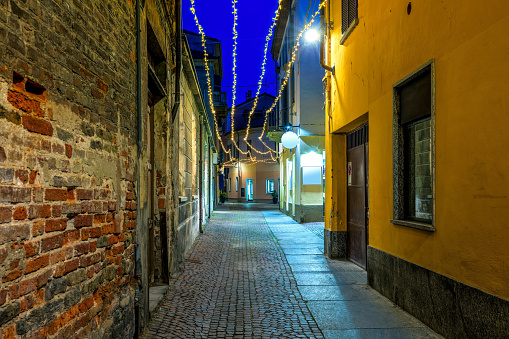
(67, 190)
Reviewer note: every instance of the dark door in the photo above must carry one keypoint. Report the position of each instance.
(357, 195)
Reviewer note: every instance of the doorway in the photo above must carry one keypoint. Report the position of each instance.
(357, 194)
(249, 189)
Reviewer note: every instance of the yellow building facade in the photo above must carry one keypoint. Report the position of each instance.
(417, 186)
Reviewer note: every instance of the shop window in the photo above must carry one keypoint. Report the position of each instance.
(236, 184)
(414, 149)
(229, 184)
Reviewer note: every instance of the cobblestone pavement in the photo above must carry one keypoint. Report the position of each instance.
(234, 283)
(316, 227)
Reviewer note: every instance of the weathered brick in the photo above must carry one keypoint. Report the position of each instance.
(13, 275)
(90, 259)
(38, 194)
(50, 243)
(31, 249)
(64, 135)
(39, 211)
(161, 203)
(3, 255)
(95, 232)
(56, 210)
(5, 214)
(54, 287)
(71, 236)
(22, 175)
(83, 220)
(55, 225)
(37, 228)
(8, 313)
(20, 213)
(32, 177)
(56, 194)
(57, 148)
(103, 241)
(24, 103)
(71, 208)
(6, 175)
(84, 194)
(22, 288)
(14, 194)
(10, 233)
(33, 265)
(102, 86)
(27, 303)
(3, 156)
(68, 151)
(3, 296)
(71, 265)
(37, 125)
(76, 277)
(81, 248)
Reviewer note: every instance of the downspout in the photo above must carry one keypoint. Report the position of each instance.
(138, 73)
(322, 42)
(178, 64)
(137, 269)
(201, 176)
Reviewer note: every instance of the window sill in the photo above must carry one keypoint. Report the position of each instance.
(414, 224)
(349, 31)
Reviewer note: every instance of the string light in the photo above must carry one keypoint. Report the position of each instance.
(288, 72)
(205, 58)
(283, 84)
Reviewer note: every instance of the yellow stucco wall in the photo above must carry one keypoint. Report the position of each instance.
(469, 43)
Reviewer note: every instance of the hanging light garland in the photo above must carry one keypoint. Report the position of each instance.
(205, 58)
(260, 83)
(288, 72)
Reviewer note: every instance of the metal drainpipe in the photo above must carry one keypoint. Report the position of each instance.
(137, 272)
(138, 73)
(322, 38)
(178, 66)
(201, 175)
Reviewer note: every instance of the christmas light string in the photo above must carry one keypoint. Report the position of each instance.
(205, 55)
(288, 72)
(260, 82)
(282, 86)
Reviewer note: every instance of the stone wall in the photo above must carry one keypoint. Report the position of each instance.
(67, 168)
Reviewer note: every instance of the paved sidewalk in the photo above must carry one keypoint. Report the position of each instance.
(336, 292)
(256, 273)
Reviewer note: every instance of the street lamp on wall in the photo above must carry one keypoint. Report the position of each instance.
(289, 139)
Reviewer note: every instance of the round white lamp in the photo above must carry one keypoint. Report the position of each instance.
(290, 140)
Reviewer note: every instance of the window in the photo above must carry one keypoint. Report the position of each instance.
(349, 18)
(236, 184)
(269, 186)
(229, 184)
(413, 135)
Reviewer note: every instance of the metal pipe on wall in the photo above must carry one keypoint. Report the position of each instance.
(178, 63)
(322, 38)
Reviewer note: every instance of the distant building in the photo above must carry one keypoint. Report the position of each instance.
(252, 176)
(299, 110)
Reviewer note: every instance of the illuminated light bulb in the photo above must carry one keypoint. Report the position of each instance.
(312, 35)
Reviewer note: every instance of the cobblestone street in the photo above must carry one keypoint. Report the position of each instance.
(235, 283)
(256, 273)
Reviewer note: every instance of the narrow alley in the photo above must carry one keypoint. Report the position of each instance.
(256, 273)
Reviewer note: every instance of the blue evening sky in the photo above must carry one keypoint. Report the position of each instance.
(253, 23)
